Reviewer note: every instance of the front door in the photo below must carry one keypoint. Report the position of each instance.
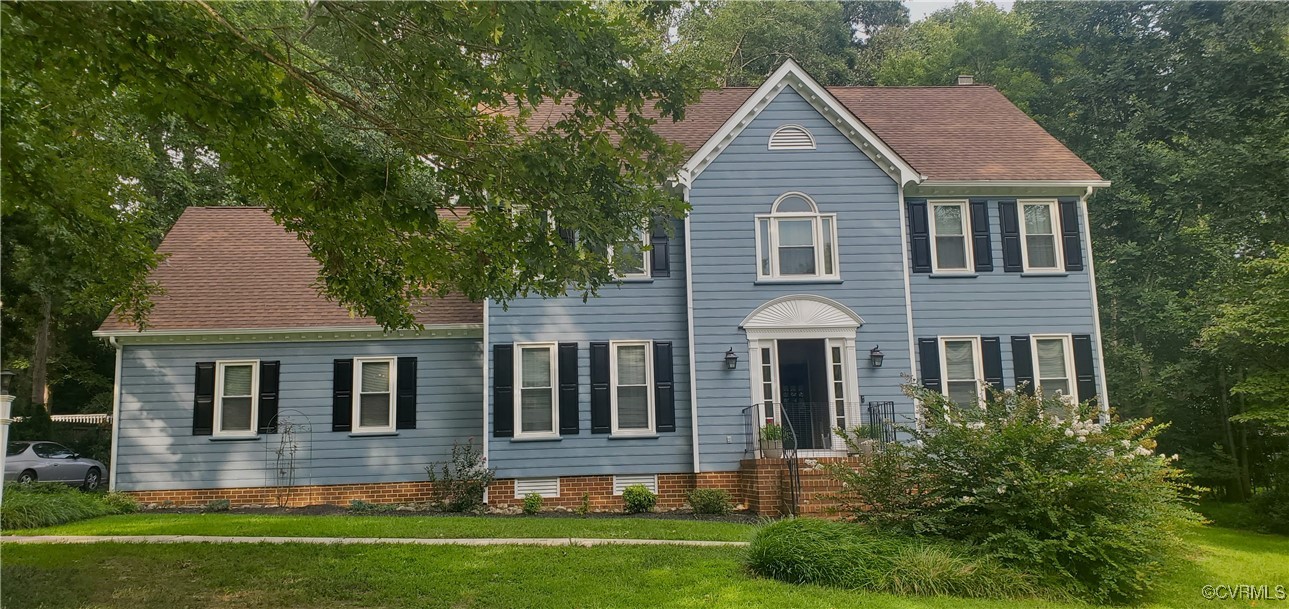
(803, 391)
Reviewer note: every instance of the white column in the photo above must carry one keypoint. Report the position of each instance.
(6, 408)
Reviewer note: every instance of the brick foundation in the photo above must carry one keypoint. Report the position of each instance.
(758, 485)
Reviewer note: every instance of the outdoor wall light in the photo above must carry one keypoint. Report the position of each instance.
(875, 357)
(731, 360)
(6, 378)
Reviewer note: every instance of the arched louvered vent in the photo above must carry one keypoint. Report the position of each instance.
(791, 137)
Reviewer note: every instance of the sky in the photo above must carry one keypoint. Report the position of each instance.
(919, 9)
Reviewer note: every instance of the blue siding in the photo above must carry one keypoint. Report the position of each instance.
(157, 450)
(1005, 304)
(744, 181)
(653, 310)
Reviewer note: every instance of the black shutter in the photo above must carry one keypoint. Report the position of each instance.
(980, 243)
(268, 396)
(601, 418)
(568, 411)
(503, 391)
(919, 236)
(929, 356)
(342, 395)
(992, 352)
(664, 390)
(405, 398)
(1070, 241)
(1083, 371)
(660, 256)
(203, 405)
(1023, 364)
(1010, 221)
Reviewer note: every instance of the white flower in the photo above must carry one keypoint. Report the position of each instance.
(1175, 457)
(968, 499)
(1069, 433)
(976, 425)
(1143, 451)
(1126, 444)
(1002, 489)
(1082, 439)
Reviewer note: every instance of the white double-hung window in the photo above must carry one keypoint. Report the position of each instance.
(950, 242)
(631, 372)
(960, 362)
(795, 241)
(535, 410)
(374, 388)
(1042, 246)
(1053, 365)
(237, 386)
(630, 259)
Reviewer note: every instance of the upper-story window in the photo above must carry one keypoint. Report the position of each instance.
(374, 385)
(792, 137)
(950, 245)
(795, 241)
(630, 259)
(236, 397)
(1042, 248)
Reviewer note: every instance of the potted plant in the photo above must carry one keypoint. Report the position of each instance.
(862, 442)
(772, 441)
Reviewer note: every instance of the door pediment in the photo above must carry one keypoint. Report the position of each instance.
(802, 313)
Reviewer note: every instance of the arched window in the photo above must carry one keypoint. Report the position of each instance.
(795, 241)
(792, 137)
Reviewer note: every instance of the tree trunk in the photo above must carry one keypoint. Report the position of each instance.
(1246, 477)
(1227, 432)
(40, 359)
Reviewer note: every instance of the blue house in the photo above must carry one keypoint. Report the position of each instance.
(842, 241)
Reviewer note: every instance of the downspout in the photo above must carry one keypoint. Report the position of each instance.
(116, 416)
(486, 353)
(1102, 392)
(689, 313)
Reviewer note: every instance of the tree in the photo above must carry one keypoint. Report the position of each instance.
(354, 124)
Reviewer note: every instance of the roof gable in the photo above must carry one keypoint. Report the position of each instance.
(790, 75)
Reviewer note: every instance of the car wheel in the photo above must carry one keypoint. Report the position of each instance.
(26, 477)
(92, 480)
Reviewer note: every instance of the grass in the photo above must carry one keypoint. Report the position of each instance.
(437, 527)
(108, 576)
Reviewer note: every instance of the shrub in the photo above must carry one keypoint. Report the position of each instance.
(1271, 510)
(713, 501)
(584, 507)
(217, 505)
(809, 551)
(458, 484)
(638, 499)
(358, 506)
(532, 503)
(44, 504)
(1037, 482)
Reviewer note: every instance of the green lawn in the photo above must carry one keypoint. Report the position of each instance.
(205, 575)
(438, 527)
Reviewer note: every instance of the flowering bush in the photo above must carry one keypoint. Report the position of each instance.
(1037, 482)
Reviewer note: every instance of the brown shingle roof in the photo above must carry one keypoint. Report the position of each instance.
(945, 133)
(235, 268)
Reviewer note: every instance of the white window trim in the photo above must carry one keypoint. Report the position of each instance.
(217, 430)
(358, 427)
(519, 390)
(816, 219)
(1070, 377)
(969, 261)
(613, 387)
(1055, 214)
(645, 250)
(976, 360)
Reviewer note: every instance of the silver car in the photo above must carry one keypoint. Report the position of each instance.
(51, 462)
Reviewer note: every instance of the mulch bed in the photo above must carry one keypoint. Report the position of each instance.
(335, 510)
